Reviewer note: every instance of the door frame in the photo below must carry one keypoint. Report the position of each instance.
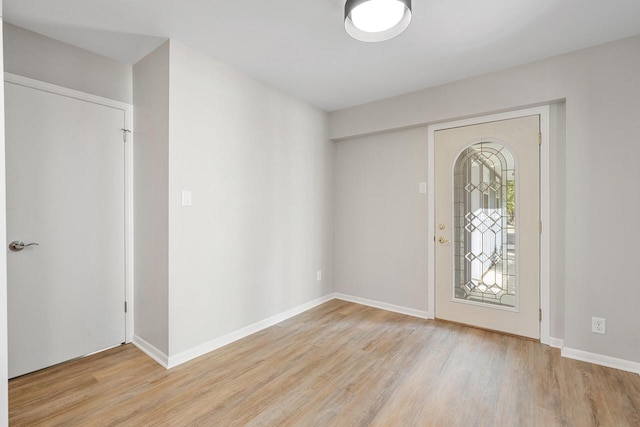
(545, 258)
(128, 176)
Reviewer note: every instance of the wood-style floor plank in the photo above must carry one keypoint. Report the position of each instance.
(340, 364)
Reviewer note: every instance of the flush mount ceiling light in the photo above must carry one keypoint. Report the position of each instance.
(376, 20)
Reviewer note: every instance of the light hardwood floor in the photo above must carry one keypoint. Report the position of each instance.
(339, 364)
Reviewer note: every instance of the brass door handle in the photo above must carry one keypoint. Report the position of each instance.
(443, 240)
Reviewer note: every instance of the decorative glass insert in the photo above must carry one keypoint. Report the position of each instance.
(485, 225)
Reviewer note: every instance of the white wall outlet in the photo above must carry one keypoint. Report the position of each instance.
(423, 188)
(319, 275)
(598, 325)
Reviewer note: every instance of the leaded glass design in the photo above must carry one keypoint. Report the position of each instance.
(485, 225)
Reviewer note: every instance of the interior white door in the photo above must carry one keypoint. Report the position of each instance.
(487, 225)
(65, 192)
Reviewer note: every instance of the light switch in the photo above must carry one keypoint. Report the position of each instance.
(423, 188)
(186, 197)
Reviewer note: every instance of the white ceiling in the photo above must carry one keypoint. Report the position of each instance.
(300, 46)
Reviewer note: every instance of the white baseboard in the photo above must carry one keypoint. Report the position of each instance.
(151, 351)
(555, 342)
(599, 359)
(170, 362)
(383, 306)
(215, 344)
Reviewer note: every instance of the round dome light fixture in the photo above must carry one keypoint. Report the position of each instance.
(376, 20)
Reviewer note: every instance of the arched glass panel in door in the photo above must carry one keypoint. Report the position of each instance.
(485, 225)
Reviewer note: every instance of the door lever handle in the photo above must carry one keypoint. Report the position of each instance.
(17, 245)
(443, 240)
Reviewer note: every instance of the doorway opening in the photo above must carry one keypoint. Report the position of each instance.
(485, 234)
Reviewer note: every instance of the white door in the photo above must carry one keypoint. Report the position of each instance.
(65, 192)
(487, 225)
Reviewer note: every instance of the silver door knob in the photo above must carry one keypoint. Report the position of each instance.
(17, 245)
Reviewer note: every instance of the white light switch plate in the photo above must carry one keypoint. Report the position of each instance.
(186, 197)
(423, 188)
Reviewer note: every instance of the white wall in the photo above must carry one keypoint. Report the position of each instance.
(151, 212)
(381, 219)
(260, 169)
(42, 58)
(594, 192)
(557, 243)
(259, 166)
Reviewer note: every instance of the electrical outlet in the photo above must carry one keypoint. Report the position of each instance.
(319, 275)
(598, 325)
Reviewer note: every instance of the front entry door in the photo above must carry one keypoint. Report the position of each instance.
(65, 192)
(487, 225)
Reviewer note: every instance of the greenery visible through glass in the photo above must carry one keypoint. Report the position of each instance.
(511, 201)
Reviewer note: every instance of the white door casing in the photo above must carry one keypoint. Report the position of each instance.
(68, 189)
(4, 372)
